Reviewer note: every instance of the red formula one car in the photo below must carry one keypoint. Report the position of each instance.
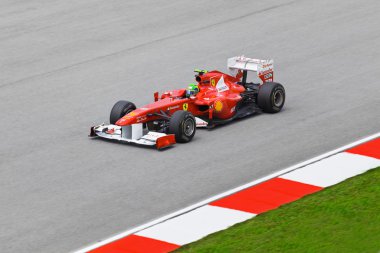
(216, 99)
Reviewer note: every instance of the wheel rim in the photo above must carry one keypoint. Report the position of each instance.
(278, 98)
(188, 127)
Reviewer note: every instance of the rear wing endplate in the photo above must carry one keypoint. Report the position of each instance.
(264, 68)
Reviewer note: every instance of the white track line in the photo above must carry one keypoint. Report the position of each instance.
(224, 194)
(195, 225)
(333, 170)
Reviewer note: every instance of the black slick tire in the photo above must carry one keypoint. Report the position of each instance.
(183, 125)
(120, 109)
(271, 97)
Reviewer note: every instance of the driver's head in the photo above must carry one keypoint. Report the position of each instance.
(192, 90)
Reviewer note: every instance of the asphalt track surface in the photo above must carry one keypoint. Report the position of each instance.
(64, 63)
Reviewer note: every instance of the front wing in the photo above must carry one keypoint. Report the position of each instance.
(133, 134)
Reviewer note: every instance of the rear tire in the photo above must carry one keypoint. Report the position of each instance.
(271, 97)
(120, 109)
(182, 124)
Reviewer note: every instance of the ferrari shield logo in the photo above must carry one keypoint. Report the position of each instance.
(185, 106)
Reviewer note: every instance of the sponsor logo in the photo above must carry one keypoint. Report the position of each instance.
(221, 85)
(268, 75)
(223, 88)
(213, 82)
(185, 106)
(141, 118)
(203, 123)
(218, 105)
(153, 134)
(200, 122)
(173, 107)
(110, 131)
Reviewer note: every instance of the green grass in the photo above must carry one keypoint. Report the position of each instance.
(341, 218)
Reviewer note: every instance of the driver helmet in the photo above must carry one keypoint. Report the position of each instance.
(192, 90)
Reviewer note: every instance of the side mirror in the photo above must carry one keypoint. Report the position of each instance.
(156, 96)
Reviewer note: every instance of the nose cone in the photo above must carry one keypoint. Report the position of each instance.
(126, 120)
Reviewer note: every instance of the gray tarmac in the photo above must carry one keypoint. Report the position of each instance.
(63, 64)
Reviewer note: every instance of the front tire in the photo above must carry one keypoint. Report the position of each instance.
(271, 97)
(120, 109)
(182, 124)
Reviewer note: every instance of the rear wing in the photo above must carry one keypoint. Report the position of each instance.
(264, 68)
